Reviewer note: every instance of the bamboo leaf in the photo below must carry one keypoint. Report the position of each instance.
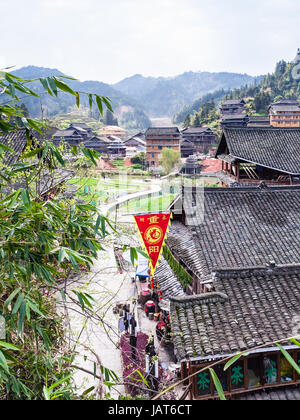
(3, 362)
(218, 385)
(232, 360)
(9, 346)
(63, 86)
(25, 198)
(61, 381)
(11, 296)
(99, 104)
(52, 85)
(22, 314)
(293, 340)
(289, 358)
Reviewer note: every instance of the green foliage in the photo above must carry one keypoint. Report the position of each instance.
(139, 158)
(258, 96)
(43, 240)
(109, 118)
(184, 277)
(169, 159)
(63, 102)
(272, 87)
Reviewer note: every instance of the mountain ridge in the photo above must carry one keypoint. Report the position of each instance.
(165, 96)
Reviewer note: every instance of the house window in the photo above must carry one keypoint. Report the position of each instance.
(237, 375)
(270, 369)
(286, 370)
(203, 383)
(222, 377)
(253, 372)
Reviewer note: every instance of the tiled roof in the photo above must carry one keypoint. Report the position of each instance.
(236, 227)
(275, 148)
(196, 130)
(250, 308)
(66, 133)
(234, 117)
(234, 102)
(258, 121)
(281, 394)
(83, 126)
(98, 139)
(285, 108)
(17, 141)
(167, 280)
(181, 243)
(161, 131)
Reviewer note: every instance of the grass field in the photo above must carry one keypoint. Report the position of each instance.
(147, 204)
(104, 190)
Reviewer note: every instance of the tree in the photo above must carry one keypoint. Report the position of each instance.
(109, 118)
(187, 121)
(44, 238)
(169, 159)
(139, 158)
(196, 120)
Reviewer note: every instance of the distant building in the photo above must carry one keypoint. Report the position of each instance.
(191, 167)
(234, 120)
(82, 126)
(138, 141)
(100, 144)
(112, 130)
(157, 139)
(232, 106)
(71, 136)
(285, 113)
(187, 148)
(202, 138)
(117, 149)
(258, 121)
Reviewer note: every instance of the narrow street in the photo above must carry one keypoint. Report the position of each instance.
(97, 342)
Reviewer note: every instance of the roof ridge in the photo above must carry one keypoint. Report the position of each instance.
(268, 269)
(211, 297)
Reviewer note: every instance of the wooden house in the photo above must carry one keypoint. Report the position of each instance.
(157, 139)
(202, 138)
(240, 248)
(138, 141)
(232, 106)
(191, 167)
(285, 113)
(187, 148)
(83, 127)
(248, 310)
(253, 155)
(17, 141)
(71, 136)
(98, 143)
(234, 120)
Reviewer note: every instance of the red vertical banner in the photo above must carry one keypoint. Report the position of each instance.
(153, 229)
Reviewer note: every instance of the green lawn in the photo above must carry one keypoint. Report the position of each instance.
(147, 204)
(98, 189)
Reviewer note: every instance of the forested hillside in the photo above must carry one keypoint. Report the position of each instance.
(272, 87)
(163, 97)
(52, 105)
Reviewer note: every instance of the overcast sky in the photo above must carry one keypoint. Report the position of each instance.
(109, 40)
